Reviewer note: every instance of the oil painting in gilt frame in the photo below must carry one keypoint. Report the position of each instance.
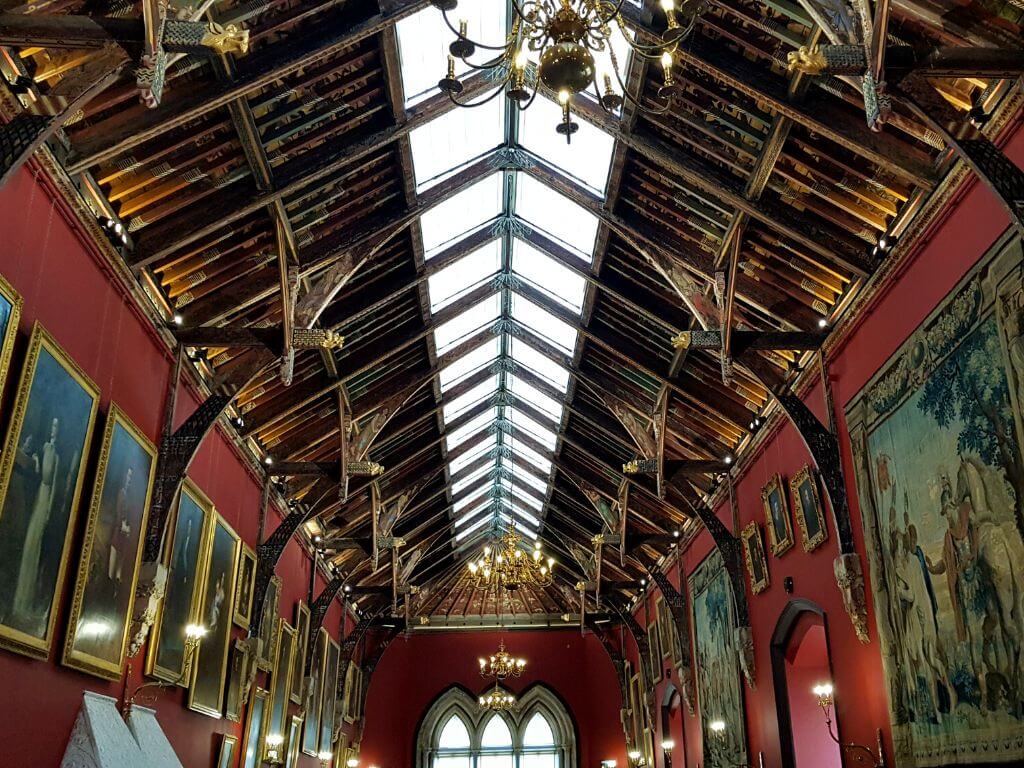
(314, 694)
(719, 689)
(236, 668)
(776, 516)
(206, 692)
(329, 698)
(301, 644)
(268, 625)
(245, 582)
(185, 559)
(98, 625)
(228, 745)
(252, 750)
(11, 305)
(41, 478)
(654, 648)
(753, 553)
(937, 436)
(810, 515)
(294, 741)
(280, 684)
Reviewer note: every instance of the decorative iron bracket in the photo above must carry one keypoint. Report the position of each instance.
(676, 602)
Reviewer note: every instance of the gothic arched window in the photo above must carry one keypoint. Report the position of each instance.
(456, 733)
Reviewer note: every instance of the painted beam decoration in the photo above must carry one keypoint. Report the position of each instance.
(940, 473)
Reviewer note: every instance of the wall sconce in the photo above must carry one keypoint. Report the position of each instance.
(352, 762)
(718, 728)
(824, 691)
(609, 763)
(635, 758)
(193, 634)
(272, 748)
(324, 757)
(666, 748)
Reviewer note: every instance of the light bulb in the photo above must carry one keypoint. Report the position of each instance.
(519, 553)
(666, 60)
(543, 570)
(521, 58)
(536, 555)
(472, 567)
(551, 562)
(667, 745)
(717, 726)
(487, 550)
(563, 99)
(634, 754)
(668, 5)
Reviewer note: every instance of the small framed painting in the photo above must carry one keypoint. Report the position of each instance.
(11, 305)
(252, 750)
(654, 650)
(314, 694)
(329, 699)
(776, 513)
(236, 670)
(294, 741)
(97, 634)
(753, 552)
(280, 683)
(246, 580)
(228, 747)
(302, 641)
(809, 514)
(268, 626)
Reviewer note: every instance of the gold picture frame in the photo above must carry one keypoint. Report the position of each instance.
(11, 305)
(211, 658)
(252, 748)
(245, 582)
(43, 350)
(280, 683)
(776, 513)
(118, 424)
(329, 699)
(182, 549)
(226, 756)
(810, 515)
(236, 670)
(294, 741)
(302, 643)
(314, 693)
(268, 627)
(757, 563)
(655, 671)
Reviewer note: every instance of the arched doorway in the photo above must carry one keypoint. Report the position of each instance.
(801, 661)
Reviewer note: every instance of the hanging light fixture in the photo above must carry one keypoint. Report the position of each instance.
(568, 34)
(506, 564)
(501, 664)
(498, 700)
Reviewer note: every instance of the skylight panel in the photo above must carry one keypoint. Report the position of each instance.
(525, 530)
(556, 215)
(603, 63)
(532, 457)
(473, 499)
(467, 323)
(470, 517)
(523, 498)
(552, 372)
(469, 363)
(526, 478)
(463, 275)
(452, 140)
(460, 535)
(461, 213)
(467, 400)
(536, 398)
(540, 433)
(466, 482)
(548, 275)
(423, 40)
(470, 456)
(466, 431)
(587, 159)
(543, 323)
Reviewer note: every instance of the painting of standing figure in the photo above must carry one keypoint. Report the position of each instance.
(940, 474)
(98, 626)
(11, 305)
(41, 478)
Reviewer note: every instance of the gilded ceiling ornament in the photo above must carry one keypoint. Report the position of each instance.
(807, 59)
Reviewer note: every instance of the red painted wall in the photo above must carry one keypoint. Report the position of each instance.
(414, 671)
(66, 288)
(960, 237)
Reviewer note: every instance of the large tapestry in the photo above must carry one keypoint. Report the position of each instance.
(719, 690)
(937, 451)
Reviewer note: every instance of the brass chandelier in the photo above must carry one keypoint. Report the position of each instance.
(568, 34)
(498, 700)
(507, 565)
(502, 664)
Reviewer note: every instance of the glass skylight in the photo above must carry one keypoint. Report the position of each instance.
(461, 213)
(469, 363)
(467, 400)
(454, 139)
(423, 40)
(548, 275)
(463, 275)
(556, 215)
(555, 374)
(532, 428)
(475, 477)
(587, 159)
(488, 442)
(532, 456)
(466, 324)
(543, 323)
(536, 398)
(461, 534)
(467, 430)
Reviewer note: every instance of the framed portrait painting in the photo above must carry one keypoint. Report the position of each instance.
(228, 746)
(294, 739)
(280, 684)
(236, 671)
(268, 625)
(654, 649)
(11, 305)
(185, 559)
(776, 514)
(41, 478)
(753, 553)
(244, 584)
(314, 694)
(99, 621)
(206, 693)
(301, 644)
(329, 698)
(810, 515)
(252, 750)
